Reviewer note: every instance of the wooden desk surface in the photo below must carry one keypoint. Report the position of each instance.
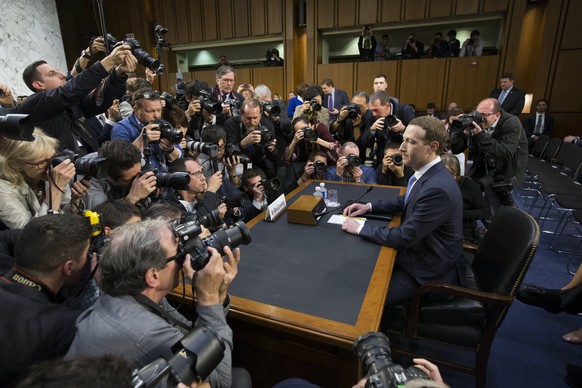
(313, 327)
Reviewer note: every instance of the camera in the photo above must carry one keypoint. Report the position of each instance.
(319, 167)
(175, 180)
(234, 107)
(470, 41)
(17, 127)
(353, 110)
(271, 109)
(191, 244)
(62, 156)
(98, 239)
(373, 349)
(194, 357)
(390, 121)
(273, 184)
(502, 187)
(143, 57)
(234, 150)
(168, 132)
(315, 105)
(266, 135)
(310, 134)
(89, 167)
(466, 121)
(210, 149)
(397, 159)
(207, 104)
(208, 219)
(354, 160)
(169, 99)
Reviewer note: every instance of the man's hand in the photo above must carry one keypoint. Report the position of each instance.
(222, 209)
(254, 137)
(79, 189)
(152, 131)
(388, 165)
(356, 209)
(141, 187)
(378, 124)
(230, 270)
(114, 113)
(150, 75)
(214, 182)
(193, 107)
(97, 45)
(7, 99)
(209, 279)
(231, 163)
(429, 368)
(270, 146)
(351, 226)
(356, 173)
(570, 139)
(343, 113)
(477, 129)
(341, 165)
(308, 170)
(258, 192)
(399, 127)
(120, 56)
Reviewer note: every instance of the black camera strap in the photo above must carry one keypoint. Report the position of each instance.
(159, 311)
(17, 276)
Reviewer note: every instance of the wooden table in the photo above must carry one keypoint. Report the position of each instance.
(274, 342)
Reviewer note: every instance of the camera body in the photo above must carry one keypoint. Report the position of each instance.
(310, 134)
(353, 110)
(234, 107)
(319, 167)
(168, 132)
(234, 150)
(175, 180)
(63, 155)
(209, 105)
(374, 351)
(354, 160)
(397, 159)
(502, 187)
(270, 108)
(210, 149)
(390, 121)
(266, 135)
(143, 57)
(17, 127)
(315, 105)
(466, 120)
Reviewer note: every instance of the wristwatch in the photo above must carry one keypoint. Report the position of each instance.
(86, 54)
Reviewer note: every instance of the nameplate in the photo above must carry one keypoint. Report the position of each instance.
(276, 208)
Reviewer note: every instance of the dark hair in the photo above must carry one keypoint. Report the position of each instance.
(315, 153)
(116, 212)
(435, 131)
(193, 88)
(96, 372)
(121, 155)
(179, 164)
(361, 93)
(475, 32)
(175, 116)
(298, 119)
(383, 97)
(430, 105)
(166, 211)
(452, 32)
(381, 75)
(31, 74)
(395, 145)
(507, 75)
(251, 173)
(544, 100)
(48, 241)
(327, 82)
(311, 92)
(300, 88)
(213, 134)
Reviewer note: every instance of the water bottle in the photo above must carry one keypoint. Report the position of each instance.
(317, 192)
(323, 190)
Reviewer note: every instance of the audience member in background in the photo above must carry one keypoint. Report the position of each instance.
(382, 49)
(539, 123)
(256, 195)
(96, 48)
(51, 252)
(31, 186)
(333, 98)
(246, 90)
(475, 207)
(412, 48)
(133, 84)
(453, 43)
(510, 98)
(574, 139)
(273, 58)
(472, 47)
(198, 117)
(297, 99)
(366, 48)
(224, 93)
(349, 167)
(438, 47)
(304, 141)
(222, 61)
(393, 171)
(430, 111)
(312, 108)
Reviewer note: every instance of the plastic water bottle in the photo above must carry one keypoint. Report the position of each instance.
(317, 192)
(323, 190)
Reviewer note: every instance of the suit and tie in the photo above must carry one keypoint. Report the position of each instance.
(536, 125)
(429, 240)
(335, 100)
(512, 100)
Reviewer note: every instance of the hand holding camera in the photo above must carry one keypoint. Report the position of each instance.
(254, 137)
(141, 187)
(393, 163)
(214, 182)
(230, 270)
(208, 280)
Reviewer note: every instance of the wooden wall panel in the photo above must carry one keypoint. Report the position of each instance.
(368, 12)
(572, 35)
(325, 14)
(270, 76)
(414, 9)
(346, 13)
(183, 22)
(342, 75)
(225, 19)
(208, 76)
(241, 19)
(195, 21)
(366, 72)
(423, 81)
(210, 20)
(495, 5)
(471, 80)
(440, 8)
(258, 20)
(568, 83)
(275, 17)
(467, 7)
(242, 76)
(165, 16)
(391, 11)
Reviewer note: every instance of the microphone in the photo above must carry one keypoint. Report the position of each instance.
(346, 205)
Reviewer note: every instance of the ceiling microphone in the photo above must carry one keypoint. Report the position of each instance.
(348, 203)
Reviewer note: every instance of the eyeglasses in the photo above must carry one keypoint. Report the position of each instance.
(197, 174)
(486, 114)
(40, 165)
(179, 257)
(227, 80)
(147, 96)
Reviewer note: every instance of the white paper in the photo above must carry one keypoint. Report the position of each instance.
(339, 219)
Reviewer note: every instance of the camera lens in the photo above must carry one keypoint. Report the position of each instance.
(397, 159)
(232, 237)
(354, 160)
(390, 121)
(175, 180)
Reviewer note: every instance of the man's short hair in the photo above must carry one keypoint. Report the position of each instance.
(544, 100)
(435, 131)
(347, 144)
(507, 75)
(311, 92)
(133, 250)
(361, 93)
(167, 211)
(381, 75)
(327, 82)
(452, 161)
(121, 155)
(222, 70)
(452, 33)
(395, 145)
(250, 173)
(249, 103)
(316, 153)
(193, 88)
(179, 165)
(116, 212)
(48, 241)
(300, 88)
(145, 94)
(262, 91)
(31, 74)
(213, 134)
(475, 33)
(383, 97)
(430, 105)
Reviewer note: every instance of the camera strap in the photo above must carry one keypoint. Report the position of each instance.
(159, 311)
(17, 276)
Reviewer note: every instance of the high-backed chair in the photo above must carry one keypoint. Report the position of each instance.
(458, 331)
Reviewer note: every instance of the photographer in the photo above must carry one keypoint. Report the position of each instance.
(255, 135)
(312, 108)
(273, 58)
(298, 173)
(256, 195)
(31, 185)
(366, 49)
(392, 171)
(50, 252)
(310, 137)
(60, 107)
(224, 93)
(200, 110)
(349, 167)
(133, 319)
(500, 151)
(147, 112)
(96, 47)
(472, 47)
(412, 48)
(352, 119)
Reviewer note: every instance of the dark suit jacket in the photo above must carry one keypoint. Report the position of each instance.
(429, 240)
(513, 102)
(340, 99)
(529, 124)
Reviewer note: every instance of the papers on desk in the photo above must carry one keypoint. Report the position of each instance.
(339, 219)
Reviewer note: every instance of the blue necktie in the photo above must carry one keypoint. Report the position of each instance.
(409, 188)
(502, 96)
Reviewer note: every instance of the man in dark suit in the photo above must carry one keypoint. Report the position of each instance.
(511, 99)
(429, 240)
(50, 252)
(224, 92)
(539, 123)
(333, 99)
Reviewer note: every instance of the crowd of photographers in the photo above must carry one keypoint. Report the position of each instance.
(88, 276)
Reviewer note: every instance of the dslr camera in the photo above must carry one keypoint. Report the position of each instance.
(310, 134)
(175, 180)
(207, 104)
(354, 160)
(373, 349)
(397, 159)
(168, 132)
(234, 107)
(390, 121)
(143, 57)
(319, 168)
(271, 109)
(17, 127)
(353, 110)
(234, 150)
(466, 121)
(502, 187)
(266, 135)
(88, 167)
(210, 149)
(315, 105)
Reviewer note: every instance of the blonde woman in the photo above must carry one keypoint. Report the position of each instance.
(24, 181)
